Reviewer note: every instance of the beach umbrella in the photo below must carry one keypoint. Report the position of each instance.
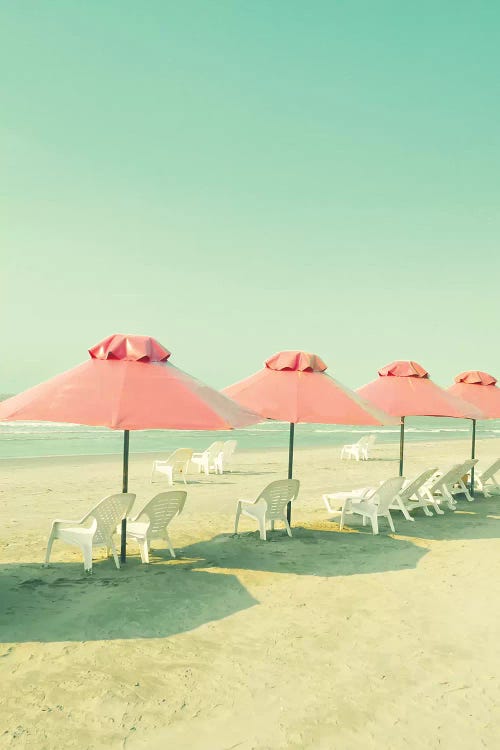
(127, 384)
(294, 387)
(481, 390)
(404, 389)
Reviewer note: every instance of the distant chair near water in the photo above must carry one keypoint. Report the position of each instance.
(208, 460)
(176, 463)
(226, 454)
(360, 449)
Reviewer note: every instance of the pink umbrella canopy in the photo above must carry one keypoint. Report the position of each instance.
(405, 389)
(128, 384)
(294, 387)
(480, 389)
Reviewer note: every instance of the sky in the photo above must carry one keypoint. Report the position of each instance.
(238, 178)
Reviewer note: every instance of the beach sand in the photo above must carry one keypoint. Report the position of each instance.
(328, 640)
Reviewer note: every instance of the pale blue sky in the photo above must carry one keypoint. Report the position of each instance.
(236, 178)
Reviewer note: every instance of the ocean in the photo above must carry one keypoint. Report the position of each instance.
(39, 439)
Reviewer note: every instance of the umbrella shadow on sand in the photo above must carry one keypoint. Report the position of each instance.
(477, 520)
(312, 551)
(139, 601)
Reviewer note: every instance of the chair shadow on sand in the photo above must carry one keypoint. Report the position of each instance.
(312, 551)
(477, 520)
(139, 601)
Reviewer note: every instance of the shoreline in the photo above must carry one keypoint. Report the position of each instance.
(87, 458)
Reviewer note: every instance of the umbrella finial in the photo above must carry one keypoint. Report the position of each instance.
(130, 349)
(403, 369)
(476, 377)
(295, 360)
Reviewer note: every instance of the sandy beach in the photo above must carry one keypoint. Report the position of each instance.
(327, 640)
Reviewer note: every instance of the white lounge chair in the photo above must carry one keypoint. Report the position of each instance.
(412, 496)
(176, 463)
(486, 482)
(151, 523)
(444, 487)
(360, 449)
(378, 504)
(225, 455)
(269, 506)
(96, 529)
(209, 459)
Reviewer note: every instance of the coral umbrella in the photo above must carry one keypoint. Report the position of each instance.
(128, 384)
(404, 389)
(294, 387)
(481, 390)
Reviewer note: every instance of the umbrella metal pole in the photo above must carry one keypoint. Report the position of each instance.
(401, 446)
(473, 455)
(290, 467)
(123, 550)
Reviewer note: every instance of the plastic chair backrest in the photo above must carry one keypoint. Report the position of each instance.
(363, 442)
(161, 509)
(179, 458)
(214, 449)
(491, 470)
(370, 440)
(278, 494)
(385, 494)
(467, 465)
(108, 514)
(450, 476)
(229, 448)
(413, 487)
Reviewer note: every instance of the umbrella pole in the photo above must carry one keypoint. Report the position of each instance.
(473, 455)
(290, 467)
(401, 446)
(123, 551)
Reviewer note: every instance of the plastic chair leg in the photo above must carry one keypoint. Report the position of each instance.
(49, 548)
(404, 510)
(87, 556)
(143, 549)
(374, 521)
(391, 522)
(169, 543)
(113, 550)
(262, 529)
(237, 519)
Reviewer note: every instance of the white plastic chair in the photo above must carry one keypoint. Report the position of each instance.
(378, 504)
(93, 530)
(358, 450)
(176, 463)
(269, 506)
(339, 503)
(225, 455)
(486, 482)
(151, 523)
(208, 459)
